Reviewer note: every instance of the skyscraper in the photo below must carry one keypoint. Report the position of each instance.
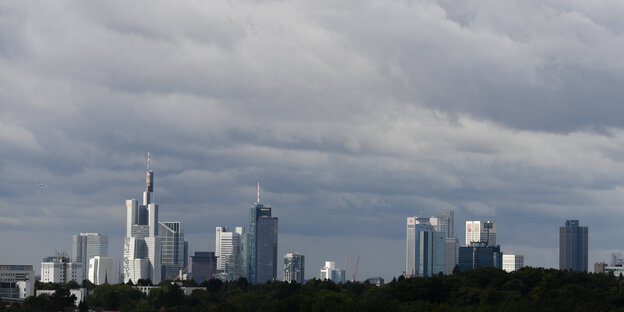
(329, 272)
(173, 249)
(294, 267)
(228, 252)
(85, 246)
(513, 262)
(479, 255)
(262, 243)
(446, 223)
(142, 254)
(573, 245)
(204, 265)
(425, 248)
(481, 232)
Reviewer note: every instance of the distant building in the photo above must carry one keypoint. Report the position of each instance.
(573, 246)
(616, 259)
(174, 253)
(446, 223)
(261, 250)
(294, 267)
(329, 272)
(481, 232)
(451, 249)
(17, 281)
(617, 270)
(600, 267)
(141, 253)
(228, 252)
(104, 270)
(80, 293)
(59, 269)
(425, 248)
(479, 255)
(85, 246)
(377, 281)
(513, 263)
(204, 265)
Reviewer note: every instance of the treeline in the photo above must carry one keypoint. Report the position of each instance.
(487, 289)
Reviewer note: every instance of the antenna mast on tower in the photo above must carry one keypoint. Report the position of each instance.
(258, 192)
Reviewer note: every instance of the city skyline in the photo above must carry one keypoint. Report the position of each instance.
(504, 110)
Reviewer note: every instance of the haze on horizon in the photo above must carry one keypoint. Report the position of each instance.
(352, 114)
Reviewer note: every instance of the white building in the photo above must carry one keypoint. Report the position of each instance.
(228, 251)
(513, 262)
(104, 270)
(329, 272)
(481, 232)
(85, 246)
(425, 248)
(142, 242)
(59, 269)
(81, 293)
(17, 281)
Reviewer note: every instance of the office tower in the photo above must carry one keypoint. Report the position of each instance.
(294, 267)
(329, 272)
(104, 270)
(446, 223)
(479, 255)
(173, 249)
(86, 246)
(228, 252)
(142, 254)
(262, 243)
(17, 281)
(481, 232)
(425, 249)
(59, 269)
(513, 262)
(204, 265)
(573, 246)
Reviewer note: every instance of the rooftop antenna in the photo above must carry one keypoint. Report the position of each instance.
(148, 161)
(258, 192)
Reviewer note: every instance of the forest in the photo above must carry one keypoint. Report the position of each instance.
(486, 289)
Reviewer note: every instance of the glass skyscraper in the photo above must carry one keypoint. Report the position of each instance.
(261, 244)
(573, 245)
(85, 246)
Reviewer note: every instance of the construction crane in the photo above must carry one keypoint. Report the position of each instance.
(357, 263)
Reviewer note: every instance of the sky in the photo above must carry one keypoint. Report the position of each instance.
(352, 114)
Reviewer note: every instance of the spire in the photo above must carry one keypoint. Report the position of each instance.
(148, 161)
(258, 193)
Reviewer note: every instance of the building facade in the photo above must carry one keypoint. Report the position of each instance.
(104, 270)
(59, 269)
(479, 255)
(228, 252)
(17, 281)
(204, 265)
(513, 263)
(294, 267)
(85, 246)
(425, 249)
(573, 246)
(173, 248)
(481, 232)
(330, 272)
(142, 254)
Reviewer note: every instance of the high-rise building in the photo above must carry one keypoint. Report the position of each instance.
(173, 249)
(59, 269)
(329, 272)
(17, 281)
(142, 254)
(573, 245)
(425, 249)
(294, 267)
(513, 263)
(262, 244)
(228, 251)
(104, 270)
(446, 223)
(204, 266)
(481, 232)
(479, 255)
(85, 246)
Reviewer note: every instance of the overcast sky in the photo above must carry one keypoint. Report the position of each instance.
(353, 115)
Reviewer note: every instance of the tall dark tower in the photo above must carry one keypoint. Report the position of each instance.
(573, 246)
(262, 243)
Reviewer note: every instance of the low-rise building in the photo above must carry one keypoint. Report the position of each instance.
(59, 269)
(513, 262)
(17, 281)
